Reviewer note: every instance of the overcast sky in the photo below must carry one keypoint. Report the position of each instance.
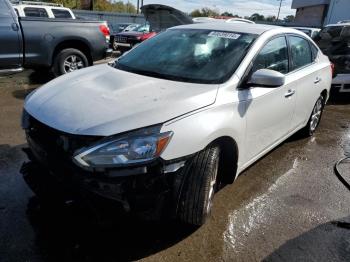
(240, 7)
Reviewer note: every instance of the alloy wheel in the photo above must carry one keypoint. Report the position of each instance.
(316, 115)
(73, 63)
(212, 186)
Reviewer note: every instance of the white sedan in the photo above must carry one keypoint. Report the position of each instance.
(179, 115)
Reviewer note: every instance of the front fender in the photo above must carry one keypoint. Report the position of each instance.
(192, 133)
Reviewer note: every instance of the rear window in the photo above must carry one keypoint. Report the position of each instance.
(35, 12)
(59, 13)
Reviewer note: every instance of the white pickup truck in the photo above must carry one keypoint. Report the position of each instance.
(42, 9)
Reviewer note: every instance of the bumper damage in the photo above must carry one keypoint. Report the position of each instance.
(150, 192)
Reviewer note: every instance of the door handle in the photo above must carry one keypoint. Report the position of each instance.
(289, 93)
(15, 27)
(318, 79)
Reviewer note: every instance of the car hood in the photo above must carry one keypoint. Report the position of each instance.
(162, 17)
(103, 101)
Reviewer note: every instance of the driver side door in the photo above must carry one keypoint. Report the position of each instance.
(270, 110)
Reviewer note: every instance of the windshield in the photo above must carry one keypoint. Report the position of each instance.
(142, 28)
(198, 56)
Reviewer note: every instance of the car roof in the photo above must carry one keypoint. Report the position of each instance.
(256, 29)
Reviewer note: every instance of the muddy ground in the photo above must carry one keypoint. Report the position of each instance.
(289, 206)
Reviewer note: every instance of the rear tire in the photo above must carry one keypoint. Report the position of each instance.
(199, 187)
(69, 60)
(315, 118)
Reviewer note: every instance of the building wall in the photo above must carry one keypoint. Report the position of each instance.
(310, 16)
(338, 10)
(305, 3)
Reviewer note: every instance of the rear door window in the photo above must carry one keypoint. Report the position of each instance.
(60, 13)
(35, 12)
(314, 51)
(300, 51)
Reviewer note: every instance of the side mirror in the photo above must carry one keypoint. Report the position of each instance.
(267, 78)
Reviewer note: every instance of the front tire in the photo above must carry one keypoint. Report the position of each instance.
(315, 118)
(199, 187)
(69, 60)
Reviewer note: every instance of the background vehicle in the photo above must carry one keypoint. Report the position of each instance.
(158, 17)
(240, 20)
(334, 42)
(312, 32)
(42, 9)
(161, 128)
(130, 27)
(64, 45)
(203, 19)
(126, 40)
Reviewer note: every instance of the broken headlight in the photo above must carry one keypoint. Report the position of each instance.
(136, 147)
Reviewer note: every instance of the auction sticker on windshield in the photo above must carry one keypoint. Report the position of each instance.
(224, 35)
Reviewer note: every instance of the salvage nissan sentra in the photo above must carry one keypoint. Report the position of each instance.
(165, 125)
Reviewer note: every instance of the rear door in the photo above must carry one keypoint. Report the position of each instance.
(10, 38)
(308, 76)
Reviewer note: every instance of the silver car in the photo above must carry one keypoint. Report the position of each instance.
(185, 112)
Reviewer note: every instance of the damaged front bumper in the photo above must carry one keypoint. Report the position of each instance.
(150, 191)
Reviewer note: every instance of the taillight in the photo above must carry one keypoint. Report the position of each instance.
(147, 36)
(333, 69)
(105, 30)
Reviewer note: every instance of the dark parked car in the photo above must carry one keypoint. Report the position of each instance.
(62, 45)
(334, 41)
(158, 17)
(126, 40)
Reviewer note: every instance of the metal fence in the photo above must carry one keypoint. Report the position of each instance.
(113, 19)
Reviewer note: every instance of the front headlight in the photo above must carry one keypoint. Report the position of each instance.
(136, 147)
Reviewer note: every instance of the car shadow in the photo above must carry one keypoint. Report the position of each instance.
(71, 233)
(22, 93)
(327, 242)
(35, 78)
(40, 77)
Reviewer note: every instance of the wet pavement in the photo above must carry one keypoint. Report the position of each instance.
(289, 206)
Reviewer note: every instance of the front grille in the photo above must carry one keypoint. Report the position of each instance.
(121, 39)
(54, 142)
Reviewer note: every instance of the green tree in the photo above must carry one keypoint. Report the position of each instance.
(204, 12)
(257, 17)
(289, 18)
(270, 18)
(227, 14)
(99, 5)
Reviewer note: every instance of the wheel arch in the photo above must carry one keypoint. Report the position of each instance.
(76, 44)
(325, 95)
(228, 158)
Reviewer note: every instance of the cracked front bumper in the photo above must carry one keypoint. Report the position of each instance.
(146, 191)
